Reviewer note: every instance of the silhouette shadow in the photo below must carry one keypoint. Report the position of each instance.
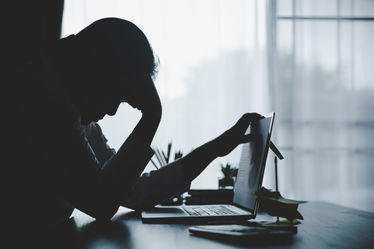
(106, 234)
(113, 234)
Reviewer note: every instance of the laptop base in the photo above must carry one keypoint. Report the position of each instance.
(175, 215)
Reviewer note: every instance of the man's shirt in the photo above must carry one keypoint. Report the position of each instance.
(54, 164)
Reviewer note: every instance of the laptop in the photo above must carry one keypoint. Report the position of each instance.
(249, 179)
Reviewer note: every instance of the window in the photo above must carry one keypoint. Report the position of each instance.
(212, 67)
(324, 100)
(309, 60)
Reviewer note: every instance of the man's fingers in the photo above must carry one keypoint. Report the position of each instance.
(246, 119)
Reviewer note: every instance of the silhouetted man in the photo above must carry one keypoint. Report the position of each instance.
(57, 157)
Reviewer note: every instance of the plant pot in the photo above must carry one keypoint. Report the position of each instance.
(226, 183)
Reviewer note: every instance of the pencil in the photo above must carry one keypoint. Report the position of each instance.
(166, 159)
(158, 158)
(169, 150)
(161, 157)
(154, 164)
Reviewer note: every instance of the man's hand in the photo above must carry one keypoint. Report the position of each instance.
(196, 161)
(230, 139)
(144, 97)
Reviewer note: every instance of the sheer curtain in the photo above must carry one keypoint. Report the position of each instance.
(310, 61)
(213, 67)
(325, 100)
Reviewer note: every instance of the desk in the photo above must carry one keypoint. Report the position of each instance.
(325, 226)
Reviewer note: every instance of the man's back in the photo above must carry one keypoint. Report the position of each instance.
(37, 109)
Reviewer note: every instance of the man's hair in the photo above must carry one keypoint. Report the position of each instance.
(110, 49)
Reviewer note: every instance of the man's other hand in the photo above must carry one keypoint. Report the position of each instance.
(234, 136)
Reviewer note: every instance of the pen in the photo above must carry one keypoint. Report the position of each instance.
(154, 164)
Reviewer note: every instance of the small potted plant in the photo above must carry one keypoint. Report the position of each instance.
(228, 179)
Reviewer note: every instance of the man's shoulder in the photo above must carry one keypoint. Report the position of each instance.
(35, 91)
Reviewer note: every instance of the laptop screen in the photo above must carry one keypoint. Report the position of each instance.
(252, 164)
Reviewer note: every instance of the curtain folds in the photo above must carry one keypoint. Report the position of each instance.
(213, 67)
(219, 59)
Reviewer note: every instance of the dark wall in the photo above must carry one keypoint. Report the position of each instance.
(27, 28)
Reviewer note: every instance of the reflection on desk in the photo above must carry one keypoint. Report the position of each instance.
(325, 226)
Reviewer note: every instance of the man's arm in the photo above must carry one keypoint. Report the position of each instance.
(196, 161)
(79, 178)
(154, 187)
(126, 166)
(136, 151)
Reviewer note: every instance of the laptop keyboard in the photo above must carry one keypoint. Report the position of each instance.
(209, 210)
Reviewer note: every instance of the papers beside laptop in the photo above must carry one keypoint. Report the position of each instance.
(249, 180)
(238, 231)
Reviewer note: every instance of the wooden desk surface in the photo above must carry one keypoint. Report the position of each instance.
(325, 226)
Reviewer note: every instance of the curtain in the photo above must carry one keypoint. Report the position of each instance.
(213, 68)
(309, 61)
(325, 100)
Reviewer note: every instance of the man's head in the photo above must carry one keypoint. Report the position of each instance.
(105, 64)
